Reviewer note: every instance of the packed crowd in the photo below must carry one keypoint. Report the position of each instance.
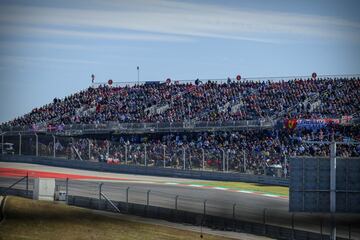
(208, 101)
(252, 151)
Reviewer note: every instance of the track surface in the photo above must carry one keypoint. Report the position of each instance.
(249, 206)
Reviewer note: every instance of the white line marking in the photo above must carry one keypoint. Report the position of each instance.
(270, 195)
(220, 188)
(171, 183)
(195, 185)
(243, 191)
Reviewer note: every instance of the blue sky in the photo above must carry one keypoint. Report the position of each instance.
(50, 48)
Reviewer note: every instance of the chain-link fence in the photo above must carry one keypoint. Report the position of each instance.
(170, 155)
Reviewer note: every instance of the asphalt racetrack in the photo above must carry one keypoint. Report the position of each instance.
(163, 192)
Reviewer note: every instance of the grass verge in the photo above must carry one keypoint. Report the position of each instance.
(278, 190)
(29, 219)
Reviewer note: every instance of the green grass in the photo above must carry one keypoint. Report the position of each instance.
(284, 191)
(29, 219)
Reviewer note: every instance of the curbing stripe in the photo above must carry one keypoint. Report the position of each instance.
(231, 190)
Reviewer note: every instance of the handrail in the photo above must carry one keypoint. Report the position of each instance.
(151, 126)
(111, 203)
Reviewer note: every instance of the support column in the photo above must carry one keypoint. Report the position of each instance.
(333, 189)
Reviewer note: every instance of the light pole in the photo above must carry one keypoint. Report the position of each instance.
(138, 74)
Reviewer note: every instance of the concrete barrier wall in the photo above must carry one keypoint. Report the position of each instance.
(155, 171)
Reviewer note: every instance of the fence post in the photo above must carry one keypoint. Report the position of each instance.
(227, 160)
(176, 202)
(292, 226)
(164, 148)
(67, 190)
(19, 144)
(72, 147)
(108, 148)
(37, 144)
(321, 228)
(147, 201)
(184, 162)
(127, 199)
(223, 159)
(126, 153)
(349, 231)
(204, 208)
(234, 207)
(2, 143)
(203, 159)
(285, 169)
(244, 159)
(264, 221)
(54, 143)
(145, 155)
(89, 148)
(27, 183)
(100, 186)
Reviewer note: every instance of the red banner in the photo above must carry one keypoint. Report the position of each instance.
(290, 123)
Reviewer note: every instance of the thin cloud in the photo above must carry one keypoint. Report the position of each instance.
(52, 32)
(180, 19)
(24, 60)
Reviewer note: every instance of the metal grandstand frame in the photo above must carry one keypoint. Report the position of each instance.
(115, 127)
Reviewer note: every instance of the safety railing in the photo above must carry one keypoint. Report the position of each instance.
(72, 129)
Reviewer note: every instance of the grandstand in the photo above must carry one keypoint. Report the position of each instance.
(246, 125)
